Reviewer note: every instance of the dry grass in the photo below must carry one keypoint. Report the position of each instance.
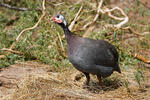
(51, 85)
(46, 86)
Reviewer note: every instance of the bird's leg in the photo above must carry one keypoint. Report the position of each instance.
(87, 77)
(100, 80)
(1, 83)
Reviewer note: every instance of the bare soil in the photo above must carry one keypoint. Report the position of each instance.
(34, 81)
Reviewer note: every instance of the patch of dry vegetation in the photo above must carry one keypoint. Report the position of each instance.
(48, 84)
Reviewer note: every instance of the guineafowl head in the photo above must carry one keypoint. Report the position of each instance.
(60, 19)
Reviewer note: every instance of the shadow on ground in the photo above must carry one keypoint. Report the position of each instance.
(108, 85)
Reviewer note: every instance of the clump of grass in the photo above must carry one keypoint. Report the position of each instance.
(139, 76)
(10, 59)
(126, 85)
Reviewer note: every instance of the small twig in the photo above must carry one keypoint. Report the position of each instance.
(133, 31)
(60, 41)
(43, 6)
(12, 51)
(75, 18)
(98, 10)
(142, 58)
(13, 7)
(145, 33)
(130, 29)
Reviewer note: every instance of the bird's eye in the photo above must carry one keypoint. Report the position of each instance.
(57, 16)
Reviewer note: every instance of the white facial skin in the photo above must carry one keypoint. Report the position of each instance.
(60, 17)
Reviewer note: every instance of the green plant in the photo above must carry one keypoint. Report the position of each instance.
(138, 76)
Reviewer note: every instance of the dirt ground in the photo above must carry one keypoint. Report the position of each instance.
(34, 81)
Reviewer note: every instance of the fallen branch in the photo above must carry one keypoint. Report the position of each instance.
(124, 20)
(13, 7)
